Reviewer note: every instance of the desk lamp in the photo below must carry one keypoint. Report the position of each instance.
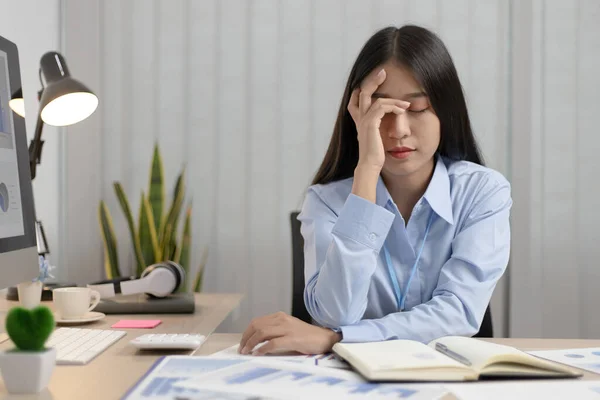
(63, 101)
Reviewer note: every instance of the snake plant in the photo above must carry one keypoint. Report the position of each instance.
(156, 237)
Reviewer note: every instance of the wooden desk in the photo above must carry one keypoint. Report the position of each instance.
(114, 371)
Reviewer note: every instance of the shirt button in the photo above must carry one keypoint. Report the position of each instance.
(372, 236)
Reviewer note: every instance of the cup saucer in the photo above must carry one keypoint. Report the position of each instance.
(87, 317)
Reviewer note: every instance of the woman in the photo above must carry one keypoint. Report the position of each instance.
(406, 232)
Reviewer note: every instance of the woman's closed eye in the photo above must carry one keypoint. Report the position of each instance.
(417, 110)
(419, 105)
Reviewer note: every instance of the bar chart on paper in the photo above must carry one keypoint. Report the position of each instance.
(586, 358)
(163, 386)
(160, 382)
(321, 360)
(282, 379)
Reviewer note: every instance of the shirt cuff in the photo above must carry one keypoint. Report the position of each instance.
(364, 222)
(357, 334)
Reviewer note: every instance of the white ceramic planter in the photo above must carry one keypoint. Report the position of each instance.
(27, 371)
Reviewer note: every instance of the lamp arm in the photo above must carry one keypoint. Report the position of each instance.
(35, 147)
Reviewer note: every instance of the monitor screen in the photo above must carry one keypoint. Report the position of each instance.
(18, 250)
(11, 210)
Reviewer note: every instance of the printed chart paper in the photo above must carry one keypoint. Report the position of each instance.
(320, 360)
(587, 358)
(270, 378)
(159, 382)
(555, 390)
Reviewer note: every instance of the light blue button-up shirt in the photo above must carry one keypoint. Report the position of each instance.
(348, 286)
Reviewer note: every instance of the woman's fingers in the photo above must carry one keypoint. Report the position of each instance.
(379, 111)
(282, 343)
(400, 103)
(255, 324)
(262, 335)
(369, 87)
(353, 105)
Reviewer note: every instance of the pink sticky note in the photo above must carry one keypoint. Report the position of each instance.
(137, 323)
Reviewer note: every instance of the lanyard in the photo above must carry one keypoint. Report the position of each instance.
(399, 298)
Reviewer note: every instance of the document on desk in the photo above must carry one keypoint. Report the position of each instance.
(320, 360)
(160, 380)
(275, 379)
(550, 390)
(586, 358)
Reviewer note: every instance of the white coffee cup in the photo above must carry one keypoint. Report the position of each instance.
(74, 302)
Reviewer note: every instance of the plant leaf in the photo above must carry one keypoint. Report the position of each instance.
(156, 188)
(147, 232)
(200, 272)
(111, 255)
(134, 238)
(178, 192)
(182, 257)
(170, 228)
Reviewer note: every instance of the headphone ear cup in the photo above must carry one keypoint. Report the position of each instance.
(149, 269)
(175, 269)
(179, 274)
(153, 273)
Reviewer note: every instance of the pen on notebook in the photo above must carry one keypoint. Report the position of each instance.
(446, 351)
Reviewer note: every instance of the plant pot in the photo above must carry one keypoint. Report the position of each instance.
(27, 371)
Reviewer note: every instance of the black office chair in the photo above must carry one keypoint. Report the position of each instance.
(299, 309)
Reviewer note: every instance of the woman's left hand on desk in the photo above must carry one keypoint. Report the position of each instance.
(283, 333)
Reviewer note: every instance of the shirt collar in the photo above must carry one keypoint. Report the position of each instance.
(437, 193)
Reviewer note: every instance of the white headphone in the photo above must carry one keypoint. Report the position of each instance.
(157, 280)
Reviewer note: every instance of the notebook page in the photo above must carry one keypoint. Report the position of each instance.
(397, 354)
(478, 352)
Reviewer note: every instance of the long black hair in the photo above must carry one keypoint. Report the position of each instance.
(426, 56)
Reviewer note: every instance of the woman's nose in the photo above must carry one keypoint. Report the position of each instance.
(401, 127)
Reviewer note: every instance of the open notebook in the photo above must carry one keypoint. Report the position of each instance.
(451, 358)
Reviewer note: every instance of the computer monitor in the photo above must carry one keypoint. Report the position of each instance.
(18, 250)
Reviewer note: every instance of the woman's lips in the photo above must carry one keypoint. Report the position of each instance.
(401, 152)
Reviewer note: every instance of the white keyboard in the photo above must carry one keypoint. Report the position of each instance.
(76, 346)
(180, 341)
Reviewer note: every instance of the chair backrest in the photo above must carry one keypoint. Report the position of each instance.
(486, 330)
(299, 309)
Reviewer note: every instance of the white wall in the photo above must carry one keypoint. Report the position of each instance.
(35, 27)
(555, 147)
(245, 94)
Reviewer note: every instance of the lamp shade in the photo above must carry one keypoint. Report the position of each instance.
(17, 104)
(64, 100)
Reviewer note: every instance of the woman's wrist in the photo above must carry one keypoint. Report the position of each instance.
(333, 337)
(365, 181)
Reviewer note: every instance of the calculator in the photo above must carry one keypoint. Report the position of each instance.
(183, 341)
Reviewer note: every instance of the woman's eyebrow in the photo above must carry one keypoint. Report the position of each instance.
(415, 95)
